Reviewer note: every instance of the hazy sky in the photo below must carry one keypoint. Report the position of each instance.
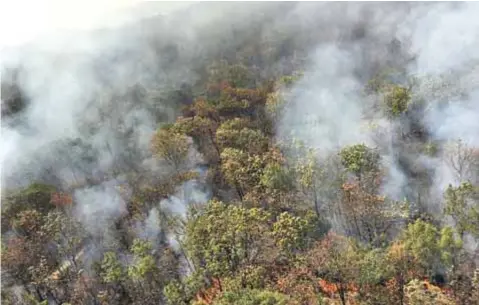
(24, 20)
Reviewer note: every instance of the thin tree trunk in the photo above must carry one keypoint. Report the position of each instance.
(316, 203)
(342, 295)
(401, 290)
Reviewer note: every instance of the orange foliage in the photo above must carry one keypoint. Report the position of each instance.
(216, 88)
(15, 256)
(428, 286)
(61, 199)
(206, 296)
(391, 284)
(354, 190)
(201, 108)
(29, 221)
(301, 283)
(275, 155)
(331, 289)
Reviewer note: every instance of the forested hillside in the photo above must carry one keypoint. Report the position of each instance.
(246, 154)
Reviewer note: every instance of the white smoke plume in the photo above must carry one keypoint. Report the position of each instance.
(189, 194)
(96, 90)
(436, 43)
(95, 97)
(445, 39)
(322, 109)
(98, 206)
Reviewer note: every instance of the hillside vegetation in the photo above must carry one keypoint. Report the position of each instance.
(275, 161)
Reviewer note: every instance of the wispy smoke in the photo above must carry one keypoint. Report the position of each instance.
(189, 194)
(323, 111)
(92, 100)
(95, 98)
(99, 206)
(444, 40)
(435, 43)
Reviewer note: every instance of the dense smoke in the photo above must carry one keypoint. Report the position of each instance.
(90, 102)
(93, 99)
(79, 109)
(433, 44)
